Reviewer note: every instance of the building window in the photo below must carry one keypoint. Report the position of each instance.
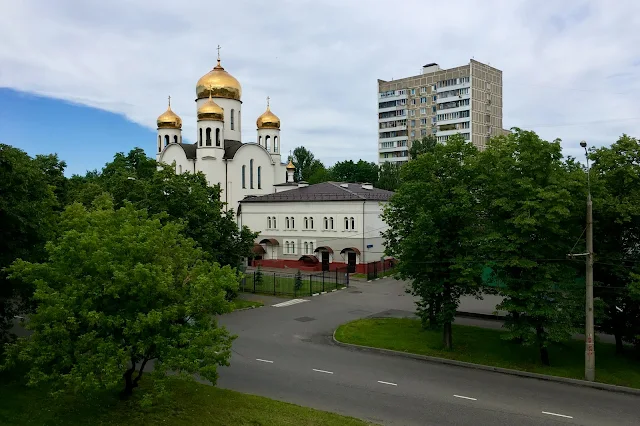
(423, 90)
(275, 225)
(159, 143)
(413, 91)
(331, 222)
(268, 222)
(251, 174)
(217, 137)
(166, 140)
(326, 223)
(306, 223)
(244, 181)
(423, 111)
(259, 177)
(200, 138)
(306, 247)
(232, 119)
(267, 142)
(293, 223)
(413, 123)
(311, 222)
(353, 223)
(346, 223)
(275, 144)
(287, 224)
(208, 136)
(175, 138)
(310, 247)
(260, 140)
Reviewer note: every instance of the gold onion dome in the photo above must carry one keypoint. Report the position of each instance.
(218, 83)
(210, 111)
(268, 120)
(290, 166)
(169, 119)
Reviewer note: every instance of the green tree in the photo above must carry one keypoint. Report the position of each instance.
(433, 230)
(319, 173)
(53, 169)
(389, 176)
(530, 199)
(616, 193)
(418, 147)
(349, 171)
(297, 285)
(119, 289)
(304, 161)
(27, 221)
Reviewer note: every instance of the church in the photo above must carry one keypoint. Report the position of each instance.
(241, 169)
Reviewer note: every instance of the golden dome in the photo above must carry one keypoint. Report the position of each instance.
(169, 119)
(290, 166)
(218, 83)
(210, 111)
(268, 120)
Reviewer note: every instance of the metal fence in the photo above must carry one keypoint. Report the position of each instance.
(279, 284)
(380, 269)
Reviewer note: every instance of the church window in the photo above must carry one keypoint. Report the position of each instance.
(159, 143)
(311, 222)
(310, 247)
(239, 123)
(166, 140)
(275, 144)
(232, 120)
(175, 138)
(217, 137)
(208, 136)
(293, 223)
(346, 223)
(306, 223)
(353, 224)
(259, 177)
(331, 222)
(267, 142)
(306, 247)
(260, 140)
(180, 169)
(326, 223)
(244, 182)
(200, 139)
(251, 174)
(268, 222)
(287, 224)
(274, 223)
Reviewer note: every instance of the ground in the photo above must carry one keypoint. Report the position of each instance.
(485, 346)
(239, 303)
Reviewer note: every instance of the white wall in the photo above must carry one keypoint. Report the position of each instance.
(227, 105)
(173, 135)
(175, 153)
(243, 157)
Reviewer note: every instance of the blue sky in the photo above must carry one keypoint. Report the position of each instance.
(88, 79)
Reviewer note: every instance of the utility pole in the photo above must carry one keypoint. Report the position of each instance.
(590, 354)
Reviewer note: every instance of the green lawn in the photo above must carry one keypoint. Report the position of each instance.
(188, 404)
(484, 346)
(275, 284)
(243, 304)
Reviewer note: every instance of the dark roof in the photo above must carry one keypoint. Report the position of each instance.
(429, 65)
(327, 191)
(230, 149)
(189, 150)
(287, 183)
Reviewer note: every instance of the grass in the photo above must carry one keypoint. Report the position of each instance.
(243, 304)
(189, 403)
(285, 286)
(485, 346)
(381, 274)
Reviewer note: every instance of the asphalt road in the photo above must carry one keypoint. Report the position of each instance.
(286, 353)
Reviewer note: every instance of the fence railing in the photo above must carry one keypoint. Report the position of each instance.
(279, 284)
(380, 269)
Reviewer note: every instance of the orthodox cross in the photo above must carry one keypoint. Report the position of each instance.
(169, 101)
(268, 101)
(219, 52)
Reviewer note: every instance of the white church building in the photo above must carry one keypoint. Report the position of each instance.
(239, 168)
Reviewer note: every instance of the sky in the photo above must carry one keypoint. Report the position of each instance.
(86, 79)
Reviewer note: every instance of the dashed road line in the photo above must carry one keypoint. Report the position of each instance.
(556, 414)
(387, 383)
(264, 360)
(289, 303)
(323, 371)
(465, 397)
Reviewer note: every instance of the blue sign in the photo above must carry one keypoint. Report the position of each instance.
(369, 245)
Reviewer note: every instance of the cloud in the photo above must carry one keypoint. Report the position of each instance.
(571, 69)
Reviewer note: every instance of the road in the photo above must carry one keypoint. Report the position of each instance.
(286, 353)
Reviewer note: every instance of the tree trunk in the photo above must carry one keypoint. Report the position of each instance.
(447, 336)
(619, 344)
(544, 352)
(128, 383)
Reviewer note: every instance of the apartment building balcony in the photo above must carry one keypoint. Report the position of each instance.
(392, 129)
(453, 98)
(454, 87)
(394, 139)
(455, 109)
(392, 97)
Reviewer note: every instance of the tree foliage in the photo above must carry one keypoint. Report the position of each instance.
(389, 176)
(421, 146)
(120, 289)
(433, 224)
(305, 163)
(349, 171)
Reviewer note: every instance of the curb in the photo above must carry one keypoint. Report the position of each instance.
(433, 359)
(247, 308)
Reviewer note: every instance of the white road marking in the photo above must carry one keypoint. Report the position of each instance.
(465, 397)
(289, 303)
(387, 383)
(323, 371)
(555, 414)
(264, 360)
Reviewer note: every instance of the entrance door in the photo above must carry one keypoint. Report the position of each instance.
(325, 260)
(351, 261)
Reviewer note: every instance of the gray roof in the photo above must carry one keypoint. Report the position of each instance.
(327, 191)
(230, 149)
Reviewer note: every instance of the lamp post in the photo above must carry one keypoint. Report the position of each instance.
(590, 354)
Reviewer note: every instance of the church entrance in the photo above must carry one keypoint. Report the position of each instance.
(351, 261)
(325, 260)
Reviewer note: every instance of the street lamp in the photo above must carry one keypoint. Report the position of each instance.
(589, 354)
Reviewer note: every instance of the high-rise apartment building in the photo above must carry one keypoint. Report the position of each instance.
(465, 99)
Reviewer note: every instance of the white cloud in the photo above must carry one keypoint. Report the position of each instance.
(564, 62)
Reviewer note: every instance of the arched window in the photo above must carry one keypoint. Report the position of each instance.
(159, 143)
(166, 140)
(267, 142)
(232, 122)
(275, 225)
(287, 224)
(200, 138)
(311, 222)
(239, 122)
(310, 247)
(244, 182)
(275, 144)
(353, 224)
(306, 247)
(175, 138)
(293, 223)
(180, 168)
(331, 222)
(268, 222)
(180, 138)
(326, 223)
(260, 140)
(306, 223)
(289, 244)
(251, 174)
(208, 139)
(218, 137)
(346, 223)
(259, 177)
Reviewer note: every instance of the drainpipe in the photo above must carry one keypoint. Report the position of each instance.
(362, 260)
(226, 184)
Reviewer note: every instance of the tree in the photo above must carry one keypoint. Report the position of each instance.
(418, 147)
(53, 169)
(348, 171)
(530, 200)
(319, 173)
(616, 193)
(433, 230)
(304, 160)
(297, 284)
(27, 221)
(389, 176)
(117, 290)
